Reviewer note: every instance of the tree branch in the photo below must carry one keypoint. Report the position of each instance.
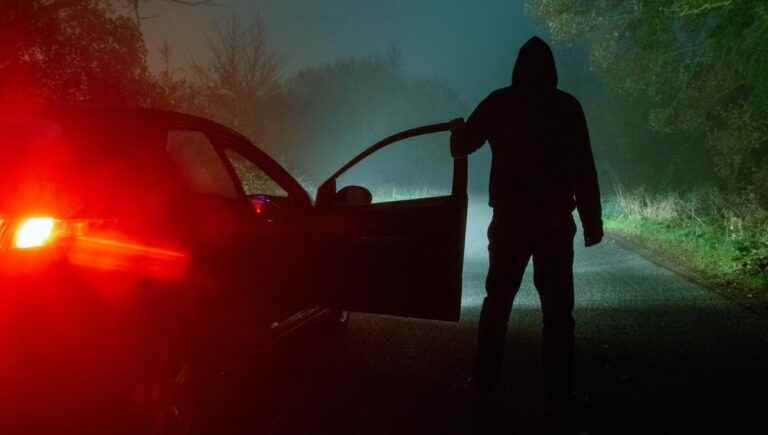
(135, 6)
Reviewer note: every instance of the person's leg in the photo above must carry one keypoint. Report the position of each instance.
(508, 258)
(553, 277)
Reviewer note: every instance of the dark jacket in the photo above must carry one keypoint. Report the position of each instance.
(542, 165)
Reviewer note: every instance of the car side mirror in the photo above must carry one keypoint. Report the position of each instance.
(325, 194)
(353, 196)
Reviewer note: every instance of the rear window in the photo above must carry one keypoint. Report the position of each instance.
(200, 164)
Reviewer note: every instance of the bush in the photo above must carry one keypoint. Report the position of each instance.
(727, 234)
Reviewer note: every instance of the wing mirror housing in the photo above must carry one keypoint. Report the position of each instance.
(326, 193)
(353, 196)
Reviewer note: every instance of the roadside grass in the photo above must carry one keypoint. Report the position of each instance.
(720, 240)
(393, 192)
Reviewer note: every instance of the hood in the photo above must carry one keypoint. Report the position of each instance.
(535, 66)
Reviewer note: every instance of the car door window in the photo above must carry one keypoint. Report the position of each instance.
(253, 179)
(418, 229)
(200, 164)
(415, 168)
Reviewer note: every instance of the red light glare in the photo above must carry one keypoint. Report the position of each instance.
(34, 232)
(110, 254)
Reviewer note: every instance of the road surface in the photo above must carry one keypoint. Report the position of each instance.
(656, 354)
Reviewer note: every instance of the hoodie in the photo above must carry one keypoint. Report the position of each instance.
(535, 67)
(542, 166)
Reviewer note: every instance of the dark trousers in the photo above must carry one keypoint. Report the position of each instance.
(512, 243)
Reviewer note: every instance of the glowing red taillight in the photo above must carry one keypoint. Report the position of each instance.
(34, 232)
(96, 244)
(42, 231)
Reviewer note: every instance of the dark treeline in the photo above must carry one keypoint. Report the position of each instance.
(682, 128)
(689, 87)
(67, 51)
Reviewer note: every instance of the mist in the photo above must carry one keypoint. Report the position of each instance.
(360, 71)
(470, 50)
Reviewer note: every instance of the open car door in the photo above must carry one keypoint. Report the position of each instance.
(401, 257)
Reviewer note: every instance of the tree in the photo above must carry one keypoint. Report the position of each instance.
(71, 51)
(174, 89)
(134, 6)
(240, 83)
(698, 64)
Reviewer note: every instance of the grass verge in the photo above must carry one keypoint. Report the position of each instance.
(720, 242)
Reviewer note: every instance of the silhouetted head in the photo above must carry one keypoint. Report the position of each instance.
(535, 66)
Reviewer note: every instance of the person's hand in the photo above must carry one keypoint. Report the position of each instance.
(458, 126)
(592, 238)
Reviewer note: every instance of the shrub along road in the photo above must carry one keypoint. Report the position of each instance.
(656, 354)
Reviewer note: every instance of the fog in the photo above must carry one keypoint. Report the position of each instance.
(464, 49)
(469, 48)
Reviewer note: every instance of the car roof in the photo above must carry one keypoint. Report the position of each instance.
(84, 113)
(143, 115)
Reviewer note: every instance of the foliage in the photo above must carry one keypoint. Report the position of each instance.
(134, 6)
(174, 90)
(698, 64)
(71, 51)
(240, 84)
(723, 238)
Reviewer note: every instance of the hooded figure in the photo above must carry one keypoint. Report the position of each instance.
(535, 66)
(542, 169)
(542, 166)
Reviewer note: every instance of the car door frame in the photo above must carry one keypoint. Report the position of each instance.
(222, 138)
(328, 189)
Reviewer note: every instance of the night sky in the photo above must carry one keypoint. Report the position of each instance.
(471, 46)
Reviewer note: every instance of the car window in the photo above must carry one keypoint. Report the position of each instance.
(415, 168)
(252, 178)
(199, 164)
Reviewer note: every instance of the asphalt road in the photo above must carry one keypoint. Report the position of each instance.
(656, 354)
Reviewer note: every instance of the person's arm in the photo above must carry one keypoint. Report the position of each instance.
(468, 137)
(586, 187)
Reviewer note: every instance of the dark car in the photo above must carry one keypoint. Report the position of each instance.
(160, 273)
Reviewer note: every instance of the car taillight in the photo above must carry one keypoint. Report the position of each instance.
(97, 244)
(34, 232)
(41, 231)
